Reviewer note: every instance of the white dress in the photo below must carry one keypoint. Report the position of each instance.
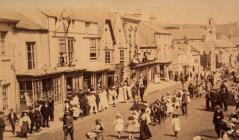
(104, 99)
(121, 96)
(176, 124)
(119, 125)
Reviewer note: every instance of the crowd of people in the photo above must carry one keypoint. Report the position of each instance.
(34, 119)
(153, 113)
(93, 101)
(80, 104)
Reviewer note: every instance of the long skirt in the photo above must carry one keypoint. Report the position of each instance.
(144, 130)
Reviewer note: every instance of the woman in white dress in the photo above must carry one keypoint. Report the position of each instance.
(121, 96)
(104, 99)
(176, 124)
(119, 124)
(92, 102)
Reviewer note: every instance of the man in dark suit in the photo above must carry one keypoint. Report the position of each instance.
(141, 92)
(38, 117)
(2, 125)
(185, 101)
(45, 111)
(51, 105)
(217, 120)
(224, 95)
(12, 117)
(32, 118)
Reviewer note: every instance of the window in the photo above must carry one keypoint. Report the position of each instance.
(5, 91)
(25, 92)
(2, 43)
(66, 51)
(93, 50)
(70, 51)
(87, 26)
(31, 55)
(107, 56)
(121, 55)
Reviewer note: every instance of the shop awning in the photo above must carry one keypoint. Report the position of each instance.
(48, 72)
(101, 69)
(150, 63)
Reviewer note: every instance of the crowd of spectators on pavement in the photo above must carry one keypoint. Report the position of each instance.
(33, 120)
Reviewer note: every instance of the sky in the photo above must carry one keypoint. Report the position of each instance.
(166, 11)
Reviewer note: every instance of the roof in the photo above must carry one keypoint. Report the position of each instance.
(99, 15)
(146, 36)
(24, 22)
(190, 33)
(222, 43)
(147, 31)
(131, 18)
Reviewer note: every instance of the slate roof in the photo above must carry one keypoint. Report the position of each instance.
(24, 22)
(147, 31)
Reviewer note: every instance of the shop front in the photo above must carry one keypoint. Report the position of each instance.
(98, 79)
(57, 85)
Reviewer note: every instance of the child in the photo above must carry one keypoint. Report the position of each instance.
(119, 124)
(132, 126)
(176, 124)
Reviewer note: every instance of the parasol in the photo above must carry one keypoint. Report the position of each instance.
(138, 106)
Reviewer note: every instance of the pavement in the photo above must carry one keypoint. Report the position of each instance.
(55, 131)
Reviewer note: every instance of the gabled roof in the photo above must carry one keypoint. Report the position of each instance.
(99, 15)
(147, 31)
(24, 22)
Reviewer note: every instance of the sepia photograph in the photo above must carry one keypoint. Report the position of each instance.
(119, 69)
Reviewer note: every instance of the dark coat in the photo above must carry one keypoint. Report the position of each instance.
(14, 119)
(51, 104)
(68, 126)
(45, 111)
(37, 115)
(2, 124)
(224, 94)
(32, 116)
(218, 117)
